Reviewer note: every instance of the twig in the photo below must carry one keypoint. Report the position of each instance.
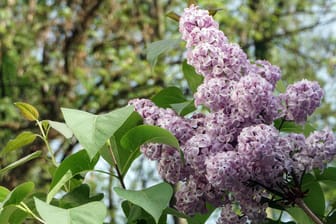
(300, 203)
(119, 175)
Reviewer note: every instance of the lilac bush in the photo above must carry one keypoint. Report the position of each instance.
(234, 156)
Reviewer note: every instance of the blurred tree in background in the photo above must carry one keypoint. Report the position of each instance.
(90, 55)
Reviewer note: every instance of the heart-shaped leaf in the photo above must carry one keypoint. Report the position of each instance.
(153, 200)
(92, 131)
(90, 213)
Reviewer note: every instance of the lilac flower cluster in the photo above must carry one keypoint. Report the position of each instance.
(234, 155)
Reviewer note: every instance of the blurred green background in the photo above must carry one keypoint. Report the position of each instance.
(90, 55)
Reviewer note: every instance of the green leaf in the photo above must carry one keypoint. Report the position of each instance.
(20, 161)
(92, 131)
(123, 156)
(329, 174)
(28, 111)
(18, 194)
(79, 196)
(23, 139)
(3, 193)
(168, 96)
(61, 128)
(299, 216)
(158, 47)
(196, 219)
(136, 214)
(6, 213)
(18, 216)
(290, 127)
(280, 86)
(142, 134)
(184, 108)
(193, 79)
(90, 213)
(71, 166)
(315, 197)
(201, 218)
(153, 200)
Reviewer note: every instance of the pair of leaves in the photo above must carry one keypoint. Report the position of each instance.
(10, 199)
(124, 156)
(71, 166)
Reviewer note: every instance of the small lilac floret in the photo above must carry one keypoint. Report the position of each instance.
(301, 99)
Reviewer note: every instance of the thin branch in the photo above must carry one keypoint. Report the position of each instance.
(300, 203)
(119, 174)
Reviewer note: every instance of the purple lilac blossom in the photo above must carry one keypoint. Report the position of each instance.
(214, 93)
(190, 198)
(301, 100)
(294, 147)
(321, 147)
(198, 148)
(253, 96)
(221, 126)
(224, 170)
(170, 167)
(210, 61)
(209, 35)
(262, 160)
(266, 70)
(147, 110)
(207, 59)
(152, 150)
(228, 216)
(178, 126)
(192, 18)
(250, 203)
